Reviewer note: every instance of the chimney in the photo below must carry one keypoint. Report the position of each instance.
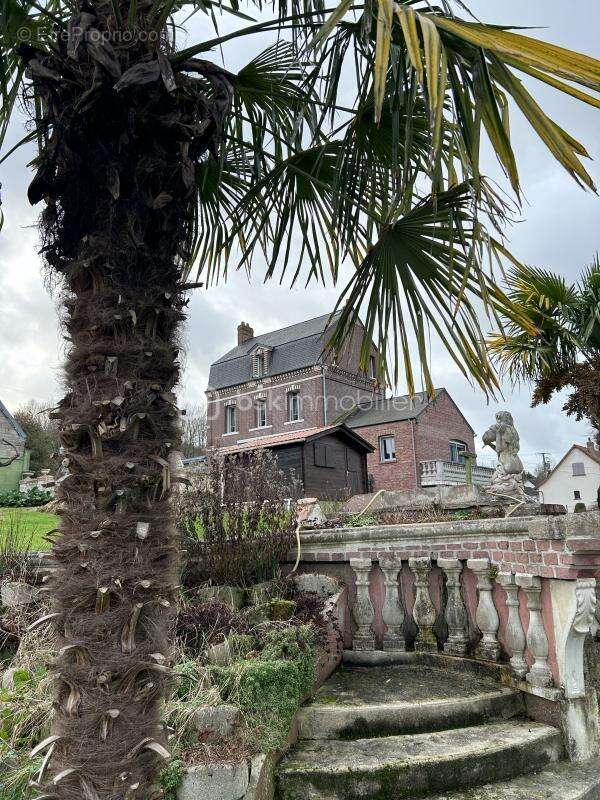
(244, 332)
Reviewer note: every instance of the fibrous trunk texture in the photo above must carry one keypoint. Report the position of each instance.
(121, 135)
(117, 558)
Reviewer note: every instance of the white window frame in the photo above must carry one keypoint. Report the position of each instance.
(372, 368)
(576, 494)
(293, 405)
(261, 413)
(387, 455)
(230, 419)
(463, 449)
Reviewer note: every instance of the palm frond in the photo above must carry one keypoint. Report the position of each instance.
(419, 277)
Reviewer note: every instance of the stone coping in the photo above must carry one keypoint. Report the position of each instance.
(565, 548)
(475, 528)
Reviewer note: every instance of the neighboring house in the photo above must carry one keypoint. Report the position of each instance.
(273, 386)
(328, 462)
(284, 382)
(12, 443)
(575, 479)
(418, 441)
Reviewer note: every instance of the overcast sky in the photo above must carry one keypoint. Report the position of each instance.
(559, 230)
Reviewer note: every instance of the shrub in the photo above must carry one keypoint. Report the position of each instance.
(292, 643)
(25, 713)
(32, 497)
(170, 779)
(269, 689)
(236, 520)
(579, 507)
(200, 625)
(267, 692)
(15, 544)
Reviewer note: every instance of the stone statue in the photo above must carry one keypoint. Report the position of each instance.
(502, 437)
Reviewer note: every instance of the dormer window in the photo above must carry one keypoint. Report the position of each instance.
(259, 364)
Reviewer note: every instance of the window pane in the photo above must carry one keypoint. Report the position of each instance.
(578, 468)
(261, 414)
(456, 452)
(387, 448)
(293, 406)
(230, 419)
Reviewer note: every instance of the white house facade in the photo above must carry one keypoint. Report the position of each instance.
(575, 479)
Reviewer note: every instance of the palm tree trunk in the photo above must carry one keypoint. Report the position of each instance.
(117, 558)
(121, 135)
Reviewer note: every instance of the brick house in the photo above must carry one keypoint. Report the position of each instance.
(281, 383)
(408, 433)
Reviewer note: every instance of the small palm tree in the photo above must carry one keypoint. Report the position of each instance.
(563, 350)
(354, 137)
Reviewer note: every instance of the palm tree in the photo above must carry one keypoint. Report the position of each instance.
(563, 350)
(354, 137)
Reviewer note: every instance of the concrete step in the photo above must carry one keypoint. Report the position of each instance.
(563, 781)
(418, 765)
(359, 702)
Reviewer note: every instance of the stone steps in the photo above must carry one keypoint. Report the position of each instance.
(558, 782)
(401, 731)
(416, 765)
(360, 703)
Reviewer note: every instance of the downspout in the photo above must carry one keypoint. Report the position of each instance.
(412, 430)
(324, 397)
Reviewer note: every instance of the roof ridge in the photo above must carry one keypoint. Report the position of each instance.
(294, 324)
(19, 430)
(229, 355)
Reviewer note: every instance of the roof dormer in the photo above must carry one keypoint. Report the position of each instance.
(260, 357)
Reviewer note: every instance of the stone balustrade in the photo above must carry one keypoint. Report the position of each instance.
(452, 473)
(518, 594)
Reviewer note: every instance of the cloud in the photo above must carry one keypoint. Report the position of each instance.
(558, 230)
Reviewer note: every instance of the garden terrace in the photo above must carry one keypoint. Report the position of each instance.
(513, 597)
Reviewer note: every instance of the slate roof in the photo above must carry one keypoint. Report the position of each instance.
(381, 411)
(292, 348)
(12, 421)
(294, 437)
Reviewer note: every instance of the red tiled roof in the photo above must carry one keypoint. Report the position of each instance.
(276, 439)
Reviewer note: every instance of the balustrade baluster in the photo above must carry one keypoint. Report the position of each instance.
(487, 618)
(393, 611)
(540, 673)
(456, 613)
(423, 611)
(514, 635)
(362, 610)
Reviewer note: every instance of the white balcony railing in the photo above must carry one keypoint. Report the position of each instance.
(450, 473)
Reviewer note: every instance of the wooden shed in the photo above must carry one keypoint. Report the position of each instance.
(330, 462)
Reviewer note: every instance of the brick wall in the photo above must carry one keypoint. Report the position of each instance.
(440, 423)
(275, 392)
(343, 394)
(398, 474)
(509, 544)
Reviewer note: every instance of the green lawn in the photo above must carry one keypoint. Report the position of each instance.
(30, 523)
